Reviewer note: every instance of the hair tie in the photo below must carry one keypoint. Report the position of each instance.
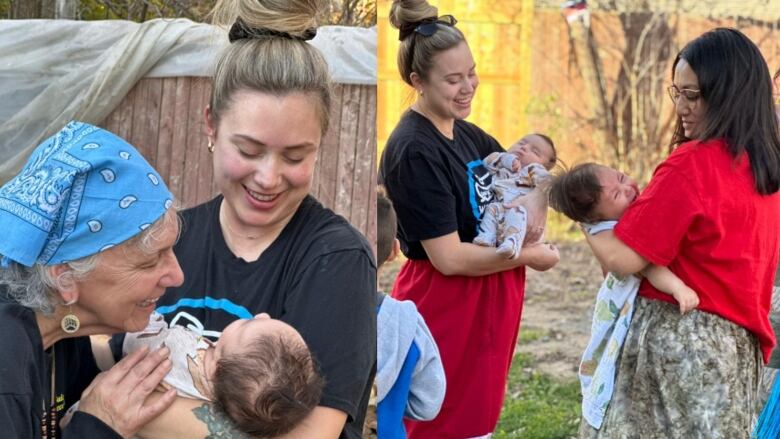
(426, 26)
(240, 31)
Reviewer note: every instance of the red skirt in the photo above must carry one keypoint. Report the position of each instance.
(475, 321)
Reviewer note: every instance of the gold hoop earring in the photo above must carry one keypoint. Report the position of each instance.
(211, 147)
(70, 323)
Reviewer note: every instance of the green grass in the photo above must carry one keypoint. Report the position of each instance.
(537, 406)
(527, 335)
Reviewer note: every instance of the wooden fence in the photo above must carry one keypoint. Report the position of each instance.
(163, 119)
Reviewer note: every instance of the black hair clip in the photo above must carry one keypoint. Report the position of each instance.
(240, 31)
(425, 27)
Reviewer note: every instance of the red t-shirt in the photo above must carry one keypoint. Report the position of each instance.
(702, 217)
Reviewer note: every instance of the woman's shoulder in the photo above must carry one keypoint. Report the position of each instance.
(696, 150)
(201, 211)
(706, 159)
(15, 318)
(20, 341)
(476, 135)
(324, 231)
(414, 134)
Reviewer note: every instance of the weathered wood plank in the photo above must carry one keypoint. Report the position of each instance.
(125, 111)
(205, 167)
(179, 142)
(189, 194)
(327, 163)
(151, 129)
(140, 118)
(165, 131)
(365, 161)
(347, 149)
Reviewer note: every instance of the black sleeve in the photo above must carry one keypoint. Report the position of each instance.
(116, 342)
(84, 425)
(423, 197)
(15, 415)
(16, 421)
(485, 143)
(333, 307)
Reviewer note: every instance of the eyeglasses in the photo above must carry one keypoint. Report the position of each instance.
(690, 94)
(429, 27)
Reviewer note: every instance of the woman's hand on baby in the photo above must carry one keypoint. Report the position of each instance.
(543, 255)
(117, 395)
(535, 204)
(687, 298)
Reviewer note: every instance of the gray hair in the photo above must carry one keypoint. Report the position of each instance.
(36, 287)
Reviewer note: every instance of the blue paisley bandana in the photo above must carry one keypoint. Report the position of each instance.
(82, 191)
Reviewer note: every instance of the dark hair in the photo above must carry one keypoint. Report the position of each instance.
(386, 226)
(735, 84)
(554, 159)
(576, 192)
(416, 52)
(269, 387)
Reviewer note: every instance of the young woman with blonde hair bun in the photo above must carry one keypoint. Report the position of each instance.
(264, 245)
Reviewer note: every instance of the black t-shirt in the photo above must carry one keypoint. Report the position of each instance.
(437, 185)
(318, 276)
(25, 386)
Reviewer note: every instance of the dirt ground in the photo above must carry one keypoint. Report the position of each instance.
(557, 311)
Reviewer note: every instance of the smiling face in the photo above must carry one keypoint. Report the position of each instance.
(533, 149)
(618, 191)
(450, 85)
(121, 292)
(689, 105)
(265, 148)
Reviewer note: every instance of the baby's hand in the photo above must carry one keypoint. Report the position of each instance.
(687, 298)
(516, 165)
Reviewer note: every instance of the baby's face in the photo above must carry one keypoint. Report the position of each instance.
(618, 191)
(239, 334)
(532, 149)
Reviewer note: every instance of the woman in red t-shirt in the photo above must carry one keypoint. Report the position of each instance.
(470, 297)
(710, 214)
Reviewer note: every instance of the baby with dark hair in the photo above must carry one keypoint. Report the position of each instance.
(596, 196)
(260, 373)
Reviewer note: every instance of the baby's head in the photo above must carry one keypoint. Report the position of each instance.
(590, 192)
(263, 376)
(387, 245)
(535, 148)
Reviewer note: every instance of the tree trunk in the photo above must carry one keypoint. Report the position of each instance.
(630, 130)
(589, 63)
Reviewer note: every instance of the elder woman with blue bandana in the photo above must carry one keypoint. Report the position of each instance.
(88, 231)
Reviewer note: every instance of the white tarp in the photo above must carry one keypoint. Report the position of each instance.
(55, 71)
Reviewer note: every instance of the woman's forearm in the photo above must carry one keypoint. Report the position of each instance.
(452, 257)
(614, 255)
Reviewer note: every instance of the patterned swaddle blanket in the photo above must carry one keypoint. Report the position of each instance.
(611, 318)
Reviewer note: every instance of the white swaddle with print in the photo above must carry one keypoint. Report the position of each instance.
(611, 318)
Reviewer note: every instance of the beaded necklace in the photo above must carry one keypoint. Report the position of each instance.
(49, 417)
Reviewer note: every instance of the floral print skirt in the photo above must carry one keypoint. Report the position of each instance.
(691, 376)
